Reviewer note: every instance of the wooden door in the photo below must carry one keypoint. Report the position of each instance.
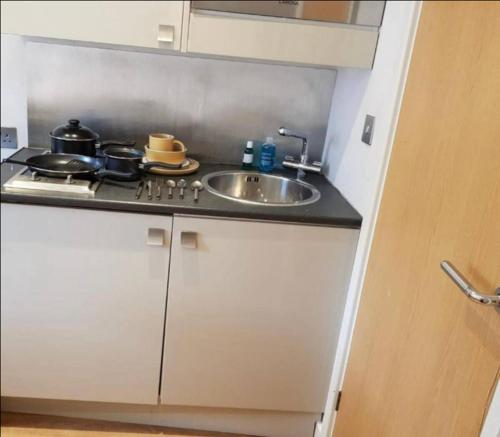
(130, 23)
(424, 358)
(82, 304)
(251, 321)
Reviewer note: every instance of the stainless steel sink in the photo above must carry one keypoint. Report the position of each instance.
(260, 189)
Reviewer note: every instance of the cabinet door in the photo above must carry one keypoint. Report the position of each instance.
(253, 313)
(82, 303)
(277, 40)
(155, 24)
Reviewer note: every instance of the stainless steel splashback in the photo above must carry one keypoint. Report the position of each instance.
(211, 105)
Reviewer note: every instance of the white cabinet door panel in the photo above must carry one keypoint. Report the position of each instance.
(285, 41)
(82, 304)
(131, 23)
(253, 314)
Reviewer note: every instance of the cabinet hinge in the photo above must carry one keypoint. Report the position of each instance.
(339, 396)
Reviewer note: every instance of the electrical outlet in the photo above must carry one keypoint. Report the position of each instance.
(9, 138)
(367, 135)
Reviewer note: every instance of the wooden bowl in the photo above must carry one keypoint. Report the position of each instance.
(176, 156)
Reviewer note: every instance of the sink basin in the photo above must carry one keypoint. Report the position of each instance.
(260, 189)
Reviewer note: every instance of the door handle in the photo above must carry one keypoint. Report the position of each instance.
(156, 237)
(189, 240)
(166, 34)
(466, 287)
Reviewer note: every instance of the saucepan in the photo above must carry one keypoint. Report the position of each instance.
(129, 160)
(74, 138)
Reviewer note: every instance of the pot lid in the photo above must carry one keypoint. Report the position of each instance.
(74, 131)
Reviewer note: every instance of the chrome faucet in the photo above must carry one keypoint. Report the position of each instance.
(302, 165)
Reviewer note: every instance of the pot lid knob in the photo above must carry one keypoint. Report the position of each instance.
(74, 131)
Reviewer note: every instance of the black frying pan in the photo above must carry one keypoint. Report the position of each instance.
(66, 164)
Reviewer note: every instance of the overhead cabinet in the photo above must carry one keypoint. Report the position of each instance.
(272, 39)
(321, 33)
(149, 24)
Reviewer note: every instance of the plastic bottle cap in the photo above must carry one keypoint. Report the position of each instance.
(269, 140)
(250, 144)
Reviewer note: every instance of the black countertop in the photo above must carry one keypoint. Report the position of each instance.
(330, 210)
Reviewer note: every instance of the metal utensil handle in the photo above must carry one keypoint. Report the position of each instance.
(139, 189)
(149, 187)
(467, 288)
(196, 193)
(151, 164)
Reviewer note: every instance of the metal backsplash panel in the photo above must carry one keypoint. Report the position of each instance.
(213, 106)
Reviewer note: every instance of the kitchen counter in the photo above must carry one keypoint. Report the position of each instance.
(330, 210)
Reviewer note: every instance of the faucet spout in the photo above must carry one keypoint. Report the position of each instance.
(302, 165)
(285, 132)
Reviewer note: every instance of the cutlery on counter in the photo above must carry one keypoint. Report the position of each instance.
(182, 184)
(149, 187)
(196, 186)
(171, 185)
(140, 186)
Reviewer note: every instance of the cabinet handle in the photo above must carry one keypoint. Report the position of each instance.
(156, 237)
(189, 240)
(466, 287)
(166, 34)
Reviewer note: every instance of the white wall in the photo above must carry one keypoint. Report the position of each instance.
(13, 86)
(358, 170)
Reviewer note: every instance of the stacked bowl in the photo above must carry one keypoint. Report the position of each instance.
(165, 148)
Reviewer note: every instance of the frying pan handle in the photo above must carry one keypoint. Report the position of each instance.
(118, 174)
(105, 144)
(151, 164)
(14, 161)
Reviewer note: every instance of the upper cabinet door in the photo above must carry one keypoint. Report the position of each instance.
(344, 35)
(253, 313)
(152, 24)
(82, 303)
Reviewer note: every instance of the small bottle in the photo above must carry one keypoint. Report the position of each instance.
(248, 156)
(267, 155)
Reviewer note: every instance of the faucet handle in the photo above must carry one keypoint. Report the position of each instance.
(317, 163)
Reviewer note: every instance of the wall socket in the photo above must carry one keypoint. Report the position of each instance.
(368, 128)
(9, 138)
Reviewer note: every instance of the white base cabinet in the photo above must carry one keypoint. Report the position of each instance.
(82, 303)
(253, 313)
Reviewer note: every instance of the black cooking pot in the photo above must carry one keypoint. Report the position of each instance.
(128, 160)
(74, 138)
